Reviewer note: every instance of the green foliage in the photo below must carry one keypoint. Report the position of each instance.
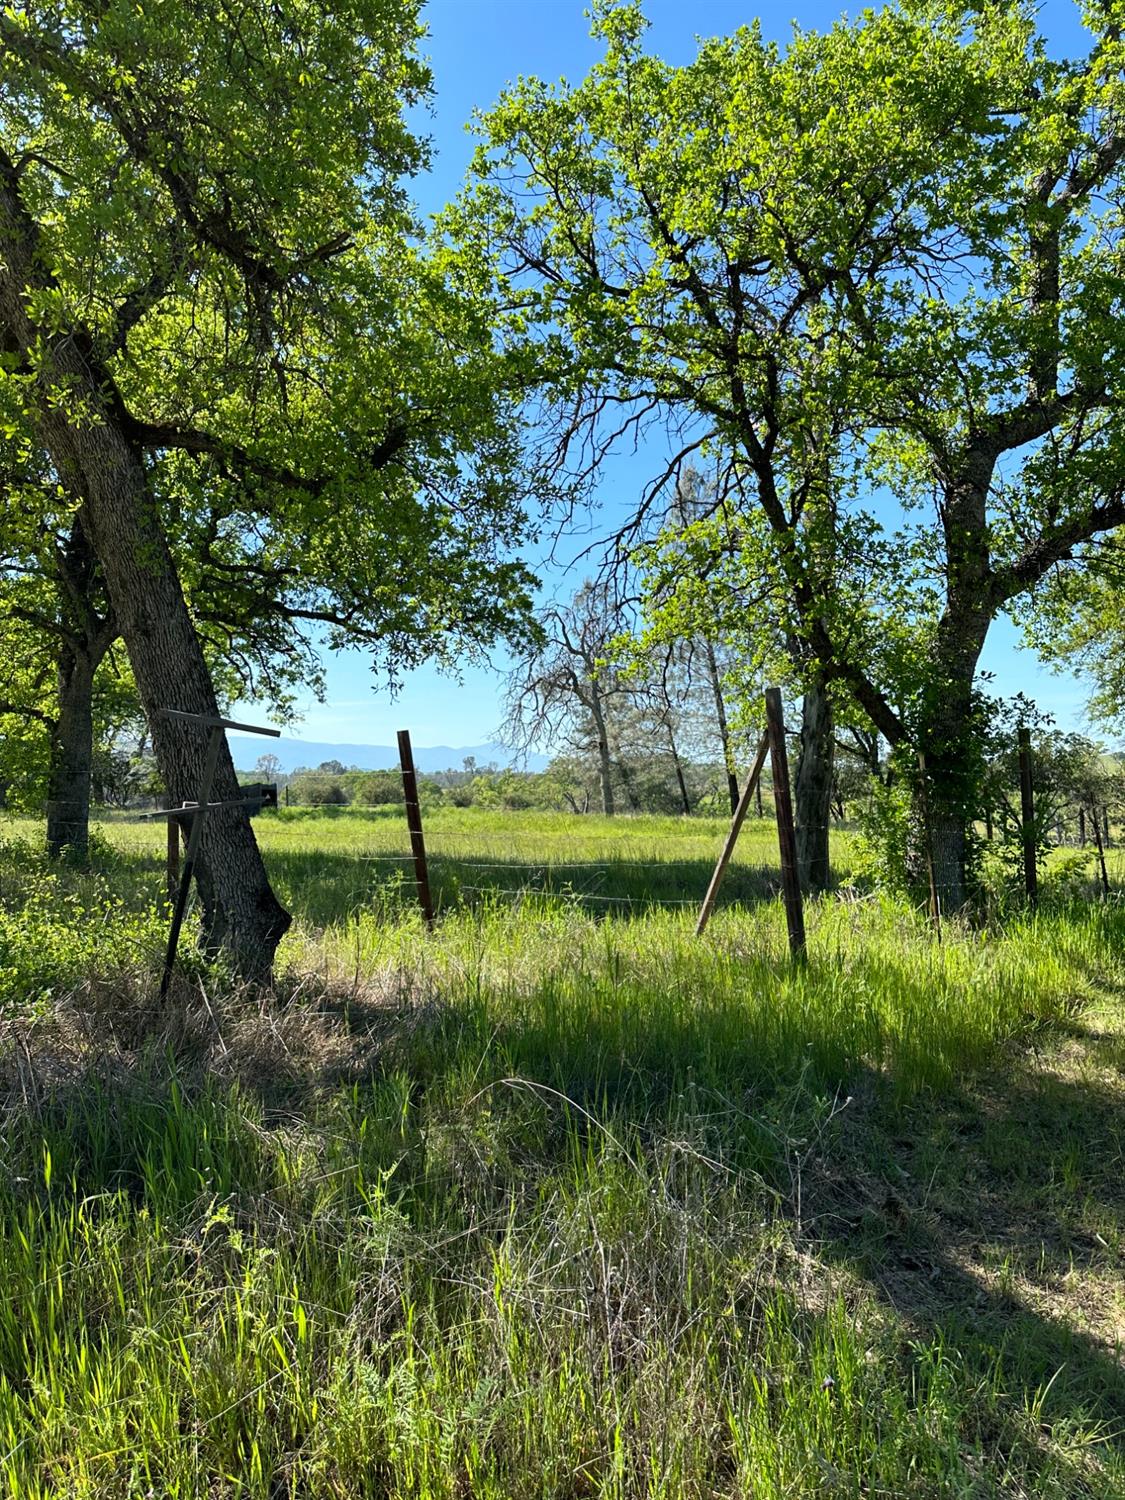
(314, 391)
(886, 821)
(888, 252)
(377, 788)
(59, 929)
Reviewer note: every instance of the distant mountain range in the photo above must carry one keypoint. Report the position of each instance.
(295, 754)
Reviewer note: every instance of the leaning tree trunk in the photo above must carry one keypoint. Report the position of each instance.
(242, 914)
(82, 426)
(72, 755)
(814, 786)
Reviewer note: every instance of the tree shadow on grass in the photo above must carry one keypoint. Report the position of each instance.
(319, 886)
(988, 1214)
(993, 1217)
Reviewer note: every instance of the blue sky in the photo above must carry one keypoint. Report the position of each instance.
(476, 47)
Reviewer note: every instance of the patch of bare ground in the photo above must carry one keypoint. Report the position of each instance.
(307, 1035)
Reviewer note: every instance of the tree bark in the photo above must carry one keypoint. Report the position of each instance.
(685, 800)
(814, 787)
(82, 424)
(945, 735)
(605, 763)
(72, 754)
(83, 643)
(724, 729)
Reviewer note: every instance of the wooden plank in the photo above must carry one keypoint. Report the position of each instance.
(210, 722)
(786, 833)
(1027, 818)
(732, 836)
(414, 823)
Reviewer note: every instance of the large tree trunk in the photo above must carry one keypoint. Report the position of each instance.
(724, 730)
(814, 787)
(82, 426)
(605, 761)
(242, 913)
(88, 637)
(944, 816)
(72, 754)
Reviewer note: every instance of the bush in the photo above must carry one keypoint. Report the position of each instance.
(377, 788)
(318, 789)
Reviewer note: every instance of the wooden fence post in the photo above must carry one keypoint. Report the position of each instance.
(414, 823)
(786, 834)
(1027, 817)
(1101, 850)
(753, 782)
(924, 798)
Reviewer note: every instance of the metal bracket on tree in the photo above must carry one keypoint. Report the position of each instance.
(197, 812)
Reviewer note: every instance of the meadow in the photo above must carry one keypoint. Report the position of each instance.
(557, 1200)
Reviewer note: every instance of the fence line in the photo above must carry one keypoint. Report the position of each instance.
(530, 890)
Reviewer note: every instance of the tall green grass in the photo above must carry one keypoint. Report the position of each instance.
(514, 1209)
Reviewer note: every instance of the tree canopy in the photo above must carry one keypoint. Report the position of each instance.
(221, 327)
(888, 252)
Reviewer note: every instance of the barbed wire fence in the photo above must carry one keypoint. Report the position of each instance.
(643, 882)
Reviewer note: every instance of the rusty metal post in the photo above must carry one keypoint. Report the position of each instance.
(195, 838)
(173, 857)
(414, 823)
(1101, 850)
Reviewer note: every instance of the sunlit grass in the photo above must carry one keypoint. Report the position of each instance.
(556, 1200)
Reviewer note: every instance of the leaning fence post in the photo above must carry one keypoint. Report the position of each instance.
(414, 823)
(786, 835)
(753, 783)
(1027, 817)
(195, 837)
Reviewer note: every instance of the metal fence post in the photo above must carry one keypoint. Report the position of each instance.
(414, 823)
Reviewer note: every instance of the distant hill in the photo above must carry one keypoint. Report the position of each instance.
(246, 748)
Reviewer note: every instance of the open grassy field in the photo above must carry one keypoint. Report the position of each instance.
(558, 1200)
